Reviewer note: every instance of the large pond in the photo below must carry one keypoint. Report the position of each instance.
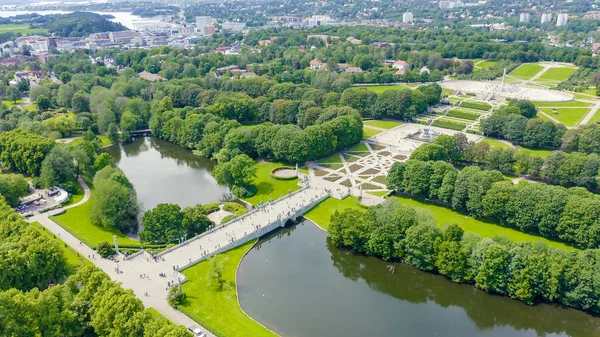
(298, 285)
(162, 172)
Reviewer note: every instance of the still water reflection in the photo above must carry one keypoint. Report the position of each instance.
(162, 172)
(298, 285)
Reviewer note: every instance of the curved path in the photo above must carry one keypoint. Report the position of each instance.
(152, 290)
(86, 194)
(127, 278)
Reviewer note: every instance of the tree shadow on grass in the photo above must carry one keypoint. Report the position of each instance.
(264, 188)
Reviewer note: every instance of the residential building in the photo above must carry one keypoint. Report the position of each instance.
(319, 20)
(546, 17)
(353, 70)
(562, 19)
(124, 37)
(233, 68)
(316, 64)
(524, 17)
(401, 65)
(202, 22)
(233, 26)
(37, 44)
(151, 77)
(407, 17)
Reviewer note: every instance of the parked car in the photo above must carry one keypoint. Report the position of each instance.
(196, 331)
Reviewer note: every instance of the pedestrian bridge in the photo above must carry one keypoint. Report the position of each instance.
(254, 224)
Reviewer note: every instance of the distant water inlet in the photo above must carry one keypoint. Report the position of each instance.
(298, 285)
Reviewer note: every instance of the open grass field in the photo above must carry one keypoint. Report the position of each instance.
(269, 187)
(74, 259)
(8, 103)
(595, 119)
(369, 132)
(572, 104)
(218, 310)
(77, 222)
(557, 74)
(443, 215)
(567, 116)
(20, 28)
(383, 124)
(527, 71)
(536, 152)
(361, 147)
(321, 214)
(496, 143)
(104, 141)
(485, 64)
(75, 198)
(333, 159)
(378, 89)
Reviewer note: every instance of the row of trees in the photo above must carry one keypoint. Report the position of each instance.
(551, 211)
(535, 133)
(27, 258)
(224, 139)
(528, 272)
(88, 304)
(559, 168)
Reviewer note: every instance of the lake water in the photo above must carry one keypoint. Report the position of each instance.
(124, 18)
(298, 285)
(162, 172)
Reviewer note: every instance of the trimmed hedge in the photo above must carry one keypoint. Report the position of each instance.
(460, 113)
(476, 105)
(235, 208)
(212, 207)
(448, 124)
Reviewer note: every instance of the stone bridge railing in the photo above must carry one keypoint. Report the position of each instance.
(262, 230)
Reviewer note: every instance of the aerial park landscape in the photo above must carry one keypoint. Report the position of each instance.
(183, 175)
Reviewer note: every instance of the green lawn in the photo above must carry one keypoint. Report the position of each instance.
(218, 310)
(77, 222)
(443, 215)
(527, 70)
(77, 197)
(269, 187)
(572, 104)
(20, 28)
(496, 143)
(536, 152)
(74, 259)
(361, 147)
(567, 116)
(9, 104)
(104, 141)
(369, 132)
(383, 124)
(321, 214)
(595, 119)
(381, 88)
(31, 107)
(557, 74)
(379, 193)
(485, 64)
(333, 159)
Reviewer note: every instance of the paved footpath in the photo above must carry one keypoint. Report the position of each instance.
(152, 289)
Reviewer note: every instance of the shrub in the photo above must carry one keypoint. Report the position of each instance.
(227, 218)
(235, 208)
(70, 187)
(212, 207)
(448, 124)
(175, 297)
(104, 249)
(244, 191)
